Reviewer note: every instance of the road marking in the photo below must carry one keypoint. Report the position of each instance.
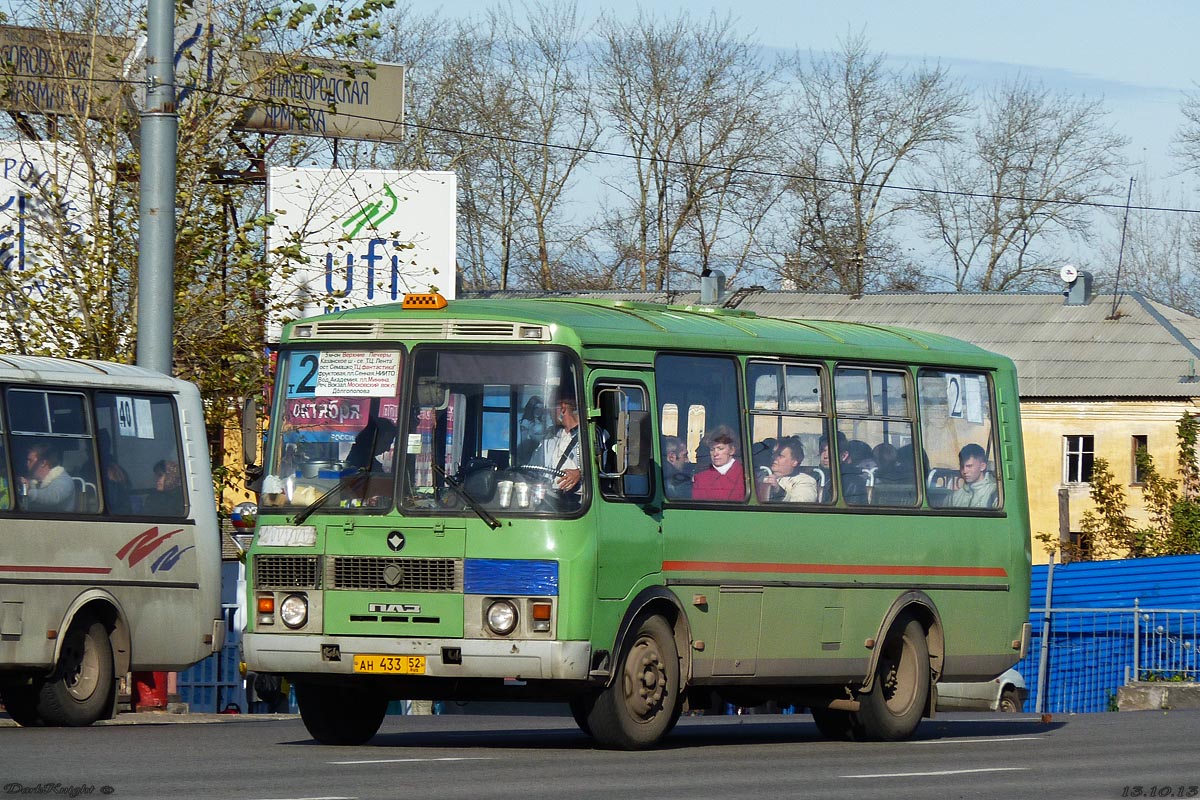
(412, 760)
(980, 740)
(938, 772)
(310, 798)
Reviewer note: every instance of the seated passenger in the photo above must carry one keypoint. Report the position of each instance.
(676, 469)
(167, 497)
(724, 479)
(784, 482)
(46, 486)
(978, 488)
(854, 483)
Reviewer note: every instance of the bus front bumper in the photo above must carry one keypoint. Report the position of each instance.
(476, 658)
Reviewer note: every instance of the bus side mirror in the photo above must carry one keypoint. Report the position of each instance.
(639, 443)
(249, 431)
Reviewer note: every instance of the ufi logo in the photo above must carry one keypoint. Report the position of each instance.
(376, 261)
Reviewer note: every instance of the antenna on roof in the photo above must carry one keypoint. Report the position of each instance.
(1121, 253)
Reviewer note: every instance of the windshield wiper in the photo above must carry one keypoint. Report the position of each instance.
(346, 481)
(458, 489)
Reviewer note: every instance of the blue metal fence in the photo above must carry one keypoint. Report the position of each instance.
(1109, 622)
(216, 683)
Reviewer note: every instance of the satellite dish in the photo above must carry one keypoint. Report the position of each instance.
(1068, 273)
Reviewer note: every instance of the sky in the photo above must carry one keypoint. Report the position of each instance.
(1138, 56)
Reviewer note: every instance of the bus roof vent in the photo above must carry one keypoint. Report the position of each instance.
(433, 329)
(338, 329)
(483, 330)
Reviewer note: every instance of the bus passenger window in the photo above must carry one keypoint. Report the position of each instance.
(788, 421)
(54, 452)
(707, 386)
(875, 437)
(957, 420)
(140, 472)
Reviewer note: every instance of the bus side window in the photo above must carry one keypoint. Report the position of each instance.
(53, 446)
(957, 421)
(788, 422)
(141, 470)
(699, 404)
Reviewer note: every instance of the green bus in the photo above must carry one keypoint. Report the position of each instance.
(631, 508)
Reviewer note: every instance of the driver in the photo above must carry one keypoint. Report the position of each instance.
(561, 451)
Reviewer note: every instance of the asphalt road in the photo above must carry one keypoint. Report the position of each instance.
(1114, 755)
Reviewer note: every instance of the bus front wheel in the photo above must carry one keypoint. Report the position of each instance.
(643, 702)
(893, 708)
(78, 692)
(340, 715)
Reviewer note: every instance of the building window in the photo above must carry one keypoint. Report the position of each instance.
(1080, 548)
(1078, 456)
(1139, 443)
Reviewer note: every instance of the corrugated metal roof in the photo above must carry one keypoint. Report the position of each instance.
(1060, 351)
(1148, 350)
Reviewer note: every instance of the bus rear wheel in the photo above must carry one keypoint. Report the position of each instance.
(836, 724)
(340, 715)
(643, 702)
(893, 708)
(79, 691)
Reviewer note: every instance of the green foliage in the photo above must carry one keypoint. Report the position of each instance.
(1109, 530)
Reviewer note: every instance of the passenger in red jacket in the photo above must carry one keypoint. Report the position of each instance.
(723, 480)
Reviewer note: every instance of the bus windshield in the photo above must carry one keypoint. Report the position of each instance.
(498, 428)
(336, 432)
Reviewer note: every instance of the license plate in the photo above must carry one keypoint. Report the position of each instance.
(390, 665)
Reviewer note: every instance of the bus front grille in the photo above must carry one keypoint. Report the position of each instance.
(394, 574)
(285, 572)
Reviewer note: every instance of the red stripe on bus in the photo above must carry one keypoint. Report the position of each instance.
(70, 570)
(835, 569)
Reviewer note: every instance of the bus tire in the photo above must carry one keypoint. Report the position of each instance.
(21, 701)
(581, 706)
(893, 708)
(340, 715)
(643, 702)
(836, 724)
(78, 692)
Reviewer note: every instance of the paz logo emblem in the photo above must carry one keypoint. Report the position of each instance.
(395, 541)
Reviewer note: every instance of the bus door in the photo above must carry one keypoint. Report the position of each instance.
(629, 533)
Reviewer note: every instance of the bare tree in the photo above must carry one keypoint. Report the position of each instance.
(695, 107)
(528, 129)
(858, 127)
(1186, 146)
(1160, 256)
(1035, 159)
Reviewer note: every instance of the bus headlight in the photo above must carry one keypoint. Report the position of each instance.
(294, 610)
(502, 617)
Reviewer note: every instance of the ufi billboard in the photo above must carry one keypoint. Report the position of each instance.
(350, 238)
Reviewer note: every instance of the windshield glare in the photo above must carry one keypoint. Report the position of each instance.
(339, 411)
(501, 425)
